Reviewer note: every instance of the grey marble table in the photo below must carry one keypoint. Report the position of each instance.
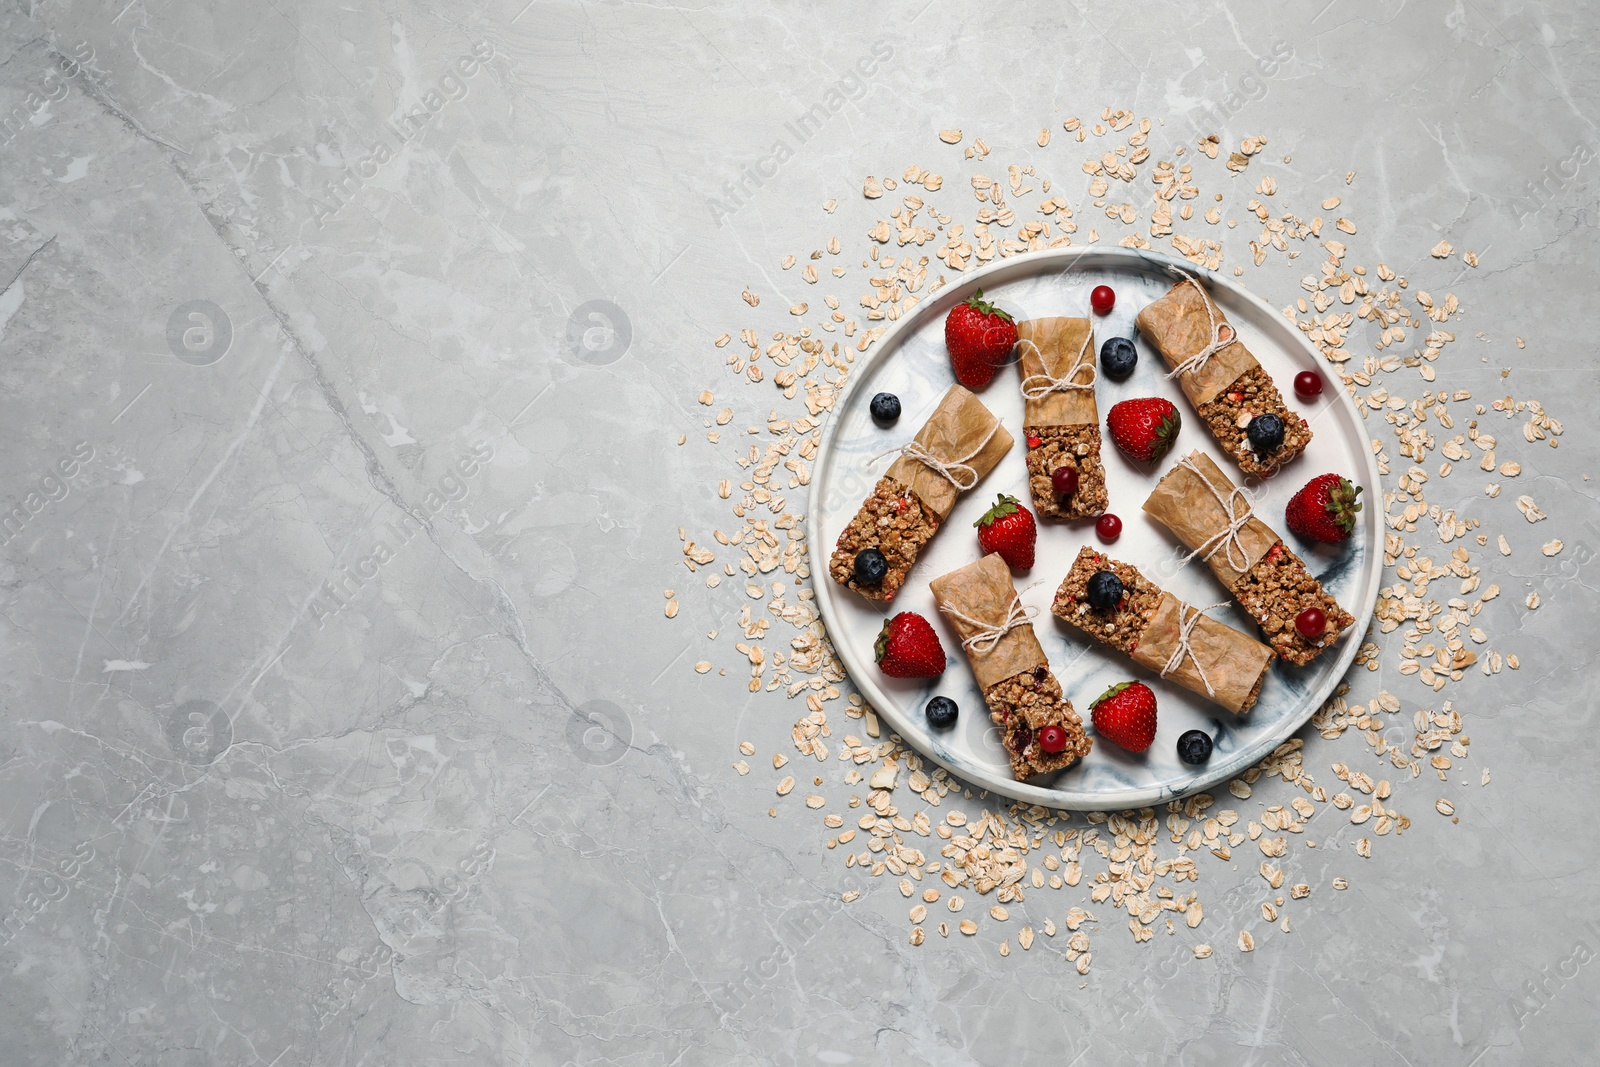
(328, 523)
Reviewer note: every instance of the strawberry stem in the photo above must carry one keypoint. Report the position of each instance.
(1003, 505)
(982, 306)
(1109, 693)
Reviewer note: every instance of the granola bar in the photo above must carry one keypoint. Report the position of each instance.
(1158, 631)
(1229, 414)
(1220, 377)
(1119, 627)
(1215, 519)
(1278, 588)
(1061, 422)
(960, 443)
(1023, 697)
(1022, 706)
(1078, 447)
(895, 522)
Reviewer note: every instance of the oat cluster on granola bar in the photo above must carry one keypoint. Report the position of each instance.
(895, 522)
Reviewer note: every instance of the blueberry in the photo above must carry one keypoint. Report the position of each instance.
(1118, 357)
(1265, 432)
(941, 712)
(871, 566)
(1105, 590)
(885, 409)
(1194, 747)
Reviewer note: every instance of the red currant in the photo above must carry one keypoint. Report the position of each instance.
(1064, 480)
(1102, 299)
(1311, 622)
(1308, 385)
(1108, 527)
(1053, 738)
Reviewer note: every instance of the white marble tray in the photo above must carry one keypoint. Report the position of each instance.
(910, 361)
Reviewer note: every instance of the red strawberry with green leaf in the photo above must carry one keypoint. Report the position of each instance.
(1008, 528)
(979, 338)
(907, 647)
(1324, 509)
(1125, 715)
(1144, 428)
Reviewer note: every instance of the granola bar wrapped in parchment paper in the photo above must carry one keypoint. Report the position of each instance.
(1061, 423)
(1216, 521)
(1158, 631)
(980, 603)
(959, 444)
(1225, 383)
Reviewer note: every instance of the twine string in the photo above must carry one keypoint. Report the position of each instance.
(987, 635)
(958, 472)
(1186, 625)
(1238, 518)
(1222, 334)
(1039, 386)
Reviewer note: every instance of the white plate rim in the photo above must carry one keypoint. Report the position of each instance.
(1019, 266)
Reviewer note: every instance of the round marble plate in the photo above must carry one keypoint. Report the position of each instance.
(910, 361)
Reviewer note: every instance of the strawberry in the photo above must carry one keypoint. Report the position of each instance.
(1144, 428)
(1324, 509)
(979, 337)
(1008, 528)
(1125, 715)
(907, 647)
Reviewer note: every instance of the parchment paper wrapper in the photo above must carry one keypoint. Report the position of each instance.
(954, 430)
(1233, 662)
(984, 591)
(1056, 348)
(1178, 327)
(1183, 504)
